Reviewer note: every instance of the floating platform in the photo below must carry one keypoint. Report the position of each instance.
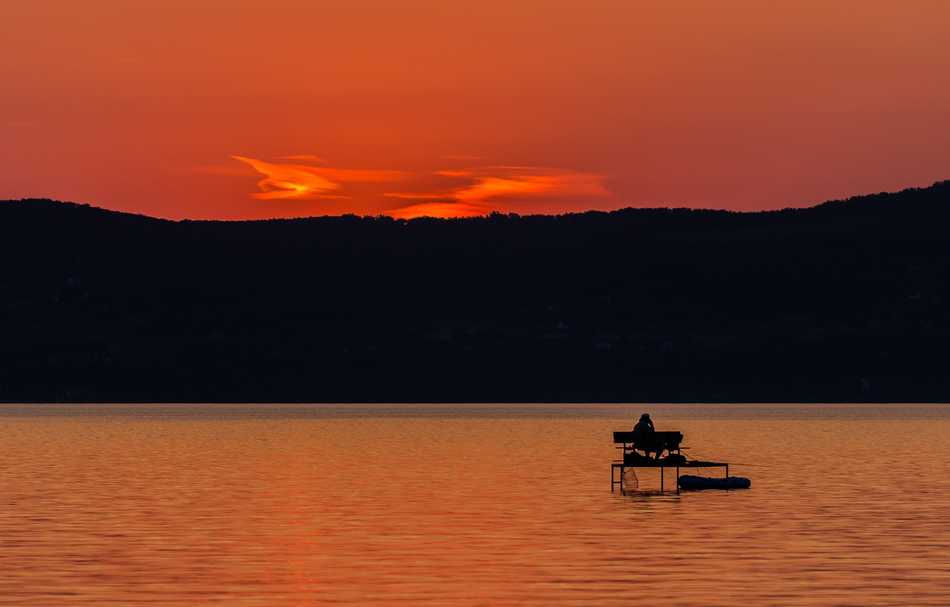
(675, 460)
(676, 466)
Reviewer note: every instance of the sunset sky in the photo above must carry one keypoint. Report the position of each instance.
(249, 109)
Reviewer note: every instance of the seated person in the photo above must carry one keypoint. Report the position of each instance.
(644, 437)
(644, 427)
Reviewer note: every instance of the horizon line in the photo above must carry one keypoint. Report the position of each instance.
(387, 217)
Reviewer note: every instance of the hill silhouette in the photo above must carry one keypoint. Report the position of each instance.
(845, 301)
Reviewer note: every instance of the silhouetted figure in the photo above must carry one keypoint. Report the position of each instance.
(645, 436)
(645, 425)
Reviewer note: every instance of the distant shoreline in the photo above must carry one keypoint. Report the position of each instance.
(845, 302)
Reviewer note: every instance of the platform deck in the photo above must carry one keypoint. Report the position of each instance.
(662, 466)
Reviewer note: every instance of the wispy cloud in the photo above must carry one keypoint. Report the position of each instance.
(439, 209)
(493, 188)
(531, 182)
(301, 181)
(449, 192)
(303, 157)
(289, 181)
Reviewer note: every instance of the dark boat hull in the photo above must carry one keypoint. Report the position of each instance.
(695, 483)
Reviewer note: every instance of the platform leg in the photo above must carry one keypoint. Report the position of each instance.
(727, 470)
(677, 480)
(661, 479)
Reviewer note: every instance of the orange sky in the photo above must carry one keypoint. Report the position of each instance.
(240, 109)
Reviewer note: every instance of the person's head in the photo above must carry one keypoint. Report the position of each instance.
(645, 417)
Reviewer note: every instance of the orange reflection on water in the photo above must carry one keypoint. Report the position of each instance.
(479, 504)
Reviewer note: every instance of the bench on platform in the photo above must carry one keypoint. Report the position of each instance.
(668, 441)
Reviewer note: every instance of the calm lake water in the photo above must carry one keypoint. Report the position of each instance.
(474, 505)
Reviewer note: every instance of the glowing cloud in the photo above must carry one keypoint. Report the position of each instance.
(300, 181)
(449, 192)
(484, 188)
(442, 210)
(303, 157)
(519, 182)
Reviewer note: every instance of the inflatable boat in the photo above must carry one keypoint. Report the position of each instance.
(690, 482)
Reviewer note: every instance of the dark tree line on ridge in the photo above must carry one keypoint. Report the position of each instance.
(846, 301)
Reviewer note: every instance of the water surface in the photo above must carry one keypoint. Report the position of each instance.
(473, 505)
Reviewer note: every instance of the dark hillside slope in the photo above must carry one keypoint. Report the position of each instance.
(844, 301)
